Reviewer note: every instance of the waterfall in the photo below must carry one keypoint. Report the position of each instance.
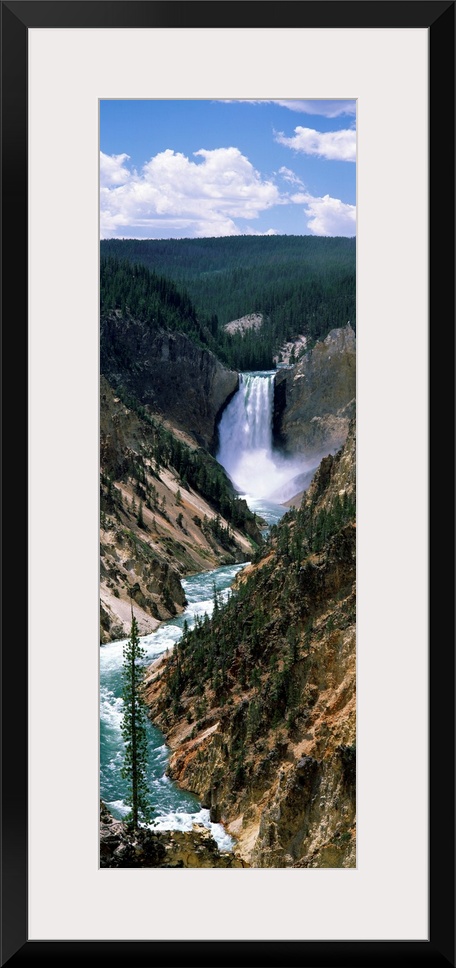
(246, 448)
(246, 422)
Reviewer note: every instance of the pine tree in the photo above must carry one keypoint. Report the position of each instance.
(133, 727)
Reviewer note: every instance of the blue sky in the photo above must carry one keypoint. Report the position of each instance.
(191, 169)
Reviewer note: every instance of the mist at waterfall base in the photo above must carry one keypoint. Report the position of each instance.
(266, 479)
(246, 450)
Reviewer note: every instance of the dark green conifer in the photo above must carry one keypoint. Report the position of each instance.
(133, 727)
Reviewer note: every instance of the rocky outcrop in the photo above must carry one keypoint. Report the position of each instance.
(155, 527)
(251, 321)
(135, 574)
(264, 731)
(315, 400)
(167, 372)
(310, 821)
(122, 847)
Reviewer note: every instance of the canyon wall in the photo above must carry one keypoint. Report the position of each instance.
(167, 372)
(315, 399)
(267, 737)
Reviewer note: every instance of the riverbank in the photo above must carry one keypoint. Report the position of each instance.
(174, 807)
(121, 847)
(167, 511)
(258, 705)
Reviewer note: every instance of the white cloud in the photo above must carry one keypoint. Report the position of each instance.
(290, 177)
(250, 231)
(328, 216)
(333, 145)
(112, 170)
(174, 193)
(218, 194)
(323, 107)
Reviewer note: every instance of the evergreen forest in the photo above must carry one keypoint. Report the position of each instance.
(301, 285)
(193, 468)
(234, 640)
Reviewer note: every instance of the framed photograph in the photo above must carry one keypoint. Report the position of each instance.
(60, 62)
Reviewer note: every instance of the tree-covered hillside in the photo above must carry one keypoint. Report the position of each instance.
(193, 468)
(299, 284)
(258, 701)
(167, 510)
(220, 654)
(132, 289)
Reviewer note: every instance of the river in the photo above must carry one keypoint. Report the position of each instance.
(247, 454)
(174, 809)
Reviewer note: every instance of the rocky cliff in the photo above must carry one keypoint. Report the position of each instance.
(167, 372)
(122, 847)
(315, 399)
(157, 526)
(258, 705)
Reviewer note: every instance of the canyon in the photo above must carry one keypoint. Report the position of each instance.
(271, 751)
(212, 478)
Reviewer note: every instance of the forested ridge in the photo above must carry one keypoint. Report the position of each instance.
(167, 510)
(193, 468)
(301, 285)
(220, 653)
(132, 289)
(258, 701)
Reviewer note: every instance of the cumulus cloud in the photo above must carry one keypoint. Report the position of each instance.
(328, 216)
(113, 170)
(215, 193)
(173, 193)
(333, 145)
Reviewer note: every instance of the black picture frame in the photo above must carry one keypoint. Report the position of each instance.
(17, 17)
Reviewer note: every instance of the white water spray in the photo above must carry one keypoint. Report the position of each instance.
(175, 809)
(246, 450)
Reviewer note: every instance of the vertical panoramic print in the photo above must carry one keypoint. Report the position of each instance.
(227, 483)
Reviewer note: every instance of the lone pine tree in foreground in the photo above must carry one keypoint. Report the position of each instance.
(134, 719)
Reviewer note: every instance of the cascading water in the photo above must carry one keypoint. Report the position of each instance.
(246, 452)
(246, 422)
(174, 809)
(246, 448)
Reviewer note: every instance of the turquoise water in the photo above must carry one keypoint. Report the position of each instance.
(174, 809)
(270, 512)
